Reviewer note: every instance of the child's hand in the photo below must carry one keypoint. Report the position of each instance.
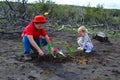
(41, 52)
(78, 38)
(79, 48)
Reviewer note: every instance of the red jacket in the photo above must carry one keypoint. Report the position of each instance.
(31, 30)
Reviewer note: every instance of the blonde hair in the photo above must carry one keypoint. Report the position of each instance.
(82, 29)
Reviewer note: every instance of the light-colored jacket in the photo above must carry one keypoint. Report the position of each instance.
(83, 41)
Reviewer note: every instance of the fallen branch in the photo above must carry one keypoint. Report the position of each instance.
(61, 28)
(98, 25)
(2, 18)
(115, 31)
(3, 32)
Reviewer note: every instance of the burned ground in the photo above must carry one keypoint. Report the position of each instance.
(102, 64)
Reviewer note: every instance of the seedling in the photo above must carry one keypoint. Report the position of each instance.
(49, 49)
(41, 45)
(71, 48)
(61, 53)
(49, 46)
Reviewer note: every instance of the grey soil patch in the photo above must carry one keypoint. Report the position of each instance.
(103, 64)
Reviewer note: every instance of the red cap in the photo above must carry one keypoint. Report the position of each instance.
(39, 19)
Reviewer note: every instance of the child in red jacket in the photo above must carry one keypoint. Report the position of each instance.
(31, 36)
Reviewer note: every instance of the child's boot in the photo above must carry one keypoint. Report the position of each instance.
(27, 57)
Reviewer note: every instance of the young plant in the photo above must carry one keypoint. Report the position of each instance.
(56, 51)
(49, 46)
(61, 53)
(41, 45)
(70, 48)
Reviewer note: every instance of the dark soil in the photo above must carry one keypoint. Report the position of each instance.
(102, 64)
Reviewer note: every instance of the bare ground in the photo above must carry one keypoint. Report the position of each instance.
(103, 64)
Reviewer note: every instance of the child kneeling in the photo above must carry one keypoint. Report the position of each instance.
(84, 40)
(31, 37)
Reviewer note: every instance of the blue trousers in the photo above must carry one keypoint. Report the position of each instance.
(28, 46)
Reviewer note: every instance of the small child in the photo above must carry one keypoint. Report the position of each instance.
(33, 34)
(84, 40)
